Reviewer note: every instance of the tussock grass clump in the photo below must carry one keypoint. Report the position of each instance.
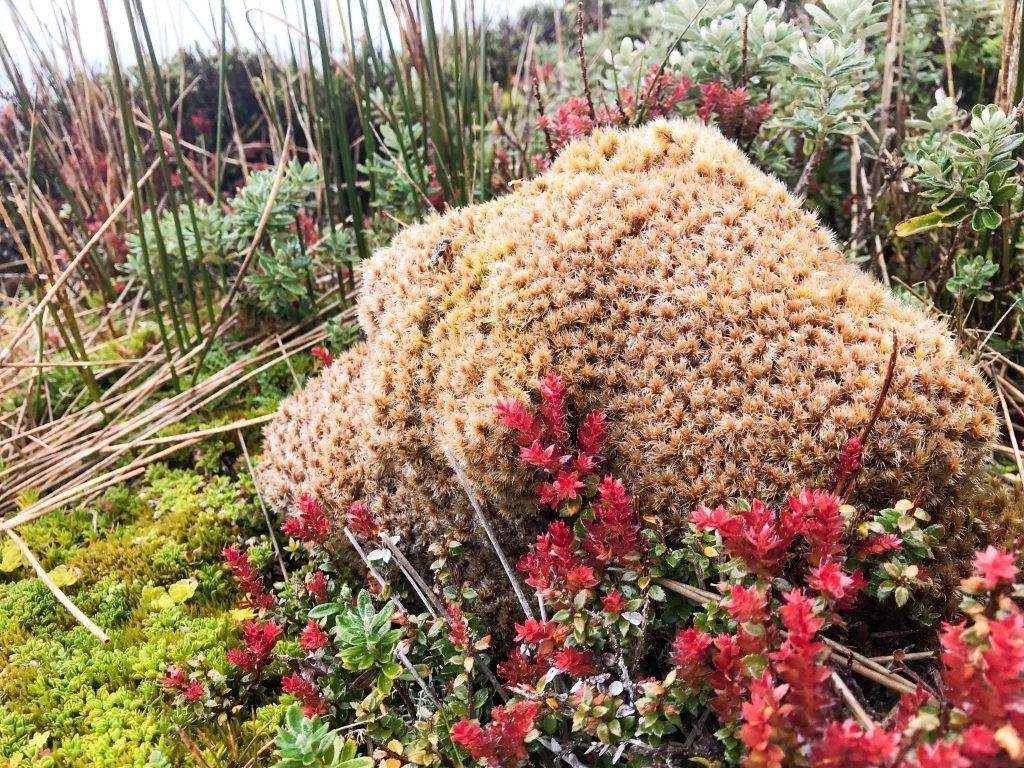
(679, 289)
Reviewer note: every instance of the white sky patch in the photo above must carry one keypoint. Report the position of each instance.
(175, 24)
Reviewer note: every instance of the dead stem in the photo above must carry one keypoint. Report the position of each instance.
(845, 484)
(580, 11)
(61, 598)
(482, 522)
(542, 120)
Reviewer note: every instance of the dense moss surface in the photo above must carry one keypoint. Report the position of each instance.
(65, 698)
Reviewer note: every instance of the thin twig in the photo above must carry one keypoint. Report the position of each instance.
(542, 120)
(63, 599)
(234, 425)
(846, 484)
(1010, 431)
(263, 507)
(211, 336)
(580, 9)
(482, 521)
(851, 702)
(74, 363)
(420, 587)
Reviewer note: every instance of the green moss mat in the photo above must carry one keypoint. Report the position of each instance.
(66, 699)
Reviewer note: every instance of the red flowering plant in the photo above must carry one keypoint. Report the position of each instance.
(186, 687)
(622, 659)
(253, 651)
(266, 640)
(348, 654)
(599, 570)
(659, 94)
(757, 652)
(774, 680)
(732, 110)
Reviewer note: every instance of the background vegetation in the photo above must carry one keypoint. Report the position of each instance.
(177, 234)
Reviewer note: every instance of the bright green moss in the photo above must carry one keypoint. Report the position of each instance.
(109, 602)
(99, 706)
(28, 605)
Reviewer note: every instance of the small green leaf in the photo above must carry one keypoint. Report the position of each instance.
(985, 218)
(919, 224)
(63, 576)
(181, 591)
(10, 557)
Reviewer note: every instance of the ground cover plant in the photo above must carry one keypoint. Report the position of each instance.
(185, 239)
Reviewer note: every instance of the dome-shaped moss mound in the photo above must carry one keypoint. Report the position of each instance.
(673, 285)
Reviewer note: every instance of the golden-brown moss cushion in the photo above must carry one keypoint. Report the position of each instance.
(673, 285)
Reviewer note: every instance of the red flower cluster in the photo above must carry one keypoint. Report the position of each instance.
(735, 116)
(575, 662)
(362, 522)
(561, 564)
(799, 663)
(310, 523)
(545, 636)
(764, 730)
(789, 700)
(845, 745)
(691, 653)
(570, 121)
(201, 122)
(849, 461)
(614, 534)
(785, 707)
(174, 679)
(984, 676)
(260, 639)
(834, 584)
(815, 515)
(519, 671)
(722, 660)
(115, 241)
(458, 627)
(758, 535)
(313, 638)
(995, 568)
(316, 585)
(322, 354)
(764, 539)
(306, 228)
(659, 95)
(551, 565)
(250, 580)
(310, 698)
(543, 437)
(502, 743)
(613, 602)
